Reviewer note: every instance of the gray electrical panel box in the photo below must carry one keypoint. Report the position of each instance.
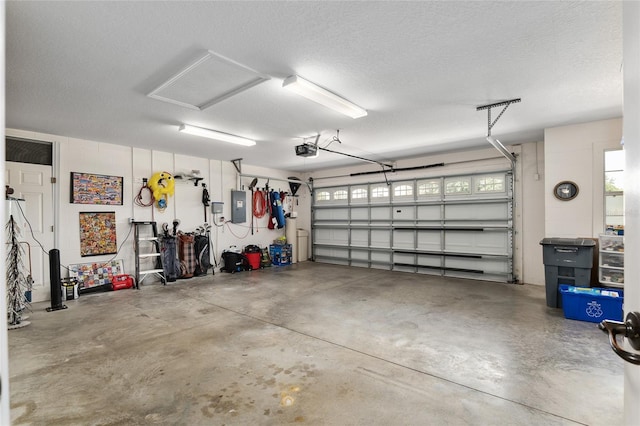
(238, 206)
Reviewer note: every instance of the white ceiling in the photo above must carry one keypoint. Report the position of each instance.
(83, 70)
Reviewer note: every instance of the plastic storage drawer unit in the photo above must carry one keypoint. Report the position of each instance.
(566, 261)
(611, 260)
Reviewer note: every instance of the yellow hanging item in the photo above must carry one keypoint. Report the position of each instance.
(161, 185)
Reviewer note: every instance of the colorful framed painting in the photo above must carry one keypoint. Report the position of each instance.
(87, 188)
(97, 233)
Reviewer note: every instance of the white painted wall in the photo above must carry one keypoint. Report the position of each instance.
(576, 153)
(134, 164)
(100, 158)
(530, 212)
(631, 37)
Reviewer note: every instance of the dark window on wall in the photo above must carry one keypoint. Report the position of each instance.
(28, 151)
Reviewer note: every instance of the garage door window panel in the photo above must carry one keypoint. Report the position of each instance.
(380, 194)
(403, 191)
(457, 185)
(340, 196)
(489, 184)
(323, 196)
(359, 195)
(429, 189)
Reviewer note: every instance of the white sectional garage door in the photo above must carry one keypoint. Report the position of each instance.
(450, 225)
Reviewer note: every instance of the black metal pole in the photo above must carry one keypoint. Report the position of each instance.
(252, 208)
(56, 281)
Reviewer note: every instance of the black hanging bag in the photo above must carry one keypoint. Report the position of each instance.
(203, 260)
(170, 262)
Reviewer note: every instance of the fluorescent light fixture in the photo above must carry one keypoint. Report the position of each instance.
(322, 96)
(214, 134)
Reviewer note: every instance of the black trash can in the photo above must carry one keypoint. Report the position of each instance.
(566, 261)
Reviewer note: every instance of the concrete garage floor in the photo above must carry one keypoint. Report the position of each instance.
(316, 344)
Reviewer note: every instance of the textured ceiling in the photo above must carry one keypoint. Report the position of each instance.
(83, 70)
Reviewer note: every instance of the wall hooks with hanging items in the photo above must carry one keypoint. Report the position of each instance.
(252, 186)
(194, 177)
(277, 179)
(144, 198)
(206, 199)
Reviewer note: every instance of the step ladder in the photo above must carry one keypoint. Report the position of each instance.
(147, 246)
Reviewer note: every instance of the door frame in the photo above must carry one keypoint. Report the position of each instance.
(55, 173)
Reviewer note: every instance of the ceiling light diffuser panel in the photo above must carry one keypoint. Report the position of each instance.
(212, 78)
(322, 96)
(216, 135)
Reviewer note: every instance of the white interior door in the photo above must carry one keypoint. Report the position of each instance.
(32, 182)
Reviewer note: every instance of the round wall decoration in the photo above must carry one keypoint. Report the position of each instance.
(566, 190)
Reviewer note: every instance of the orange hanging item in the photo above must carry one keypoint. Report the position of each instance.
(259, 204)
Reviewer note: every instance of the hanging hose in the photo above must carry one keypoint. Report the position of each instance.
(139, 200)
(259, 204)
